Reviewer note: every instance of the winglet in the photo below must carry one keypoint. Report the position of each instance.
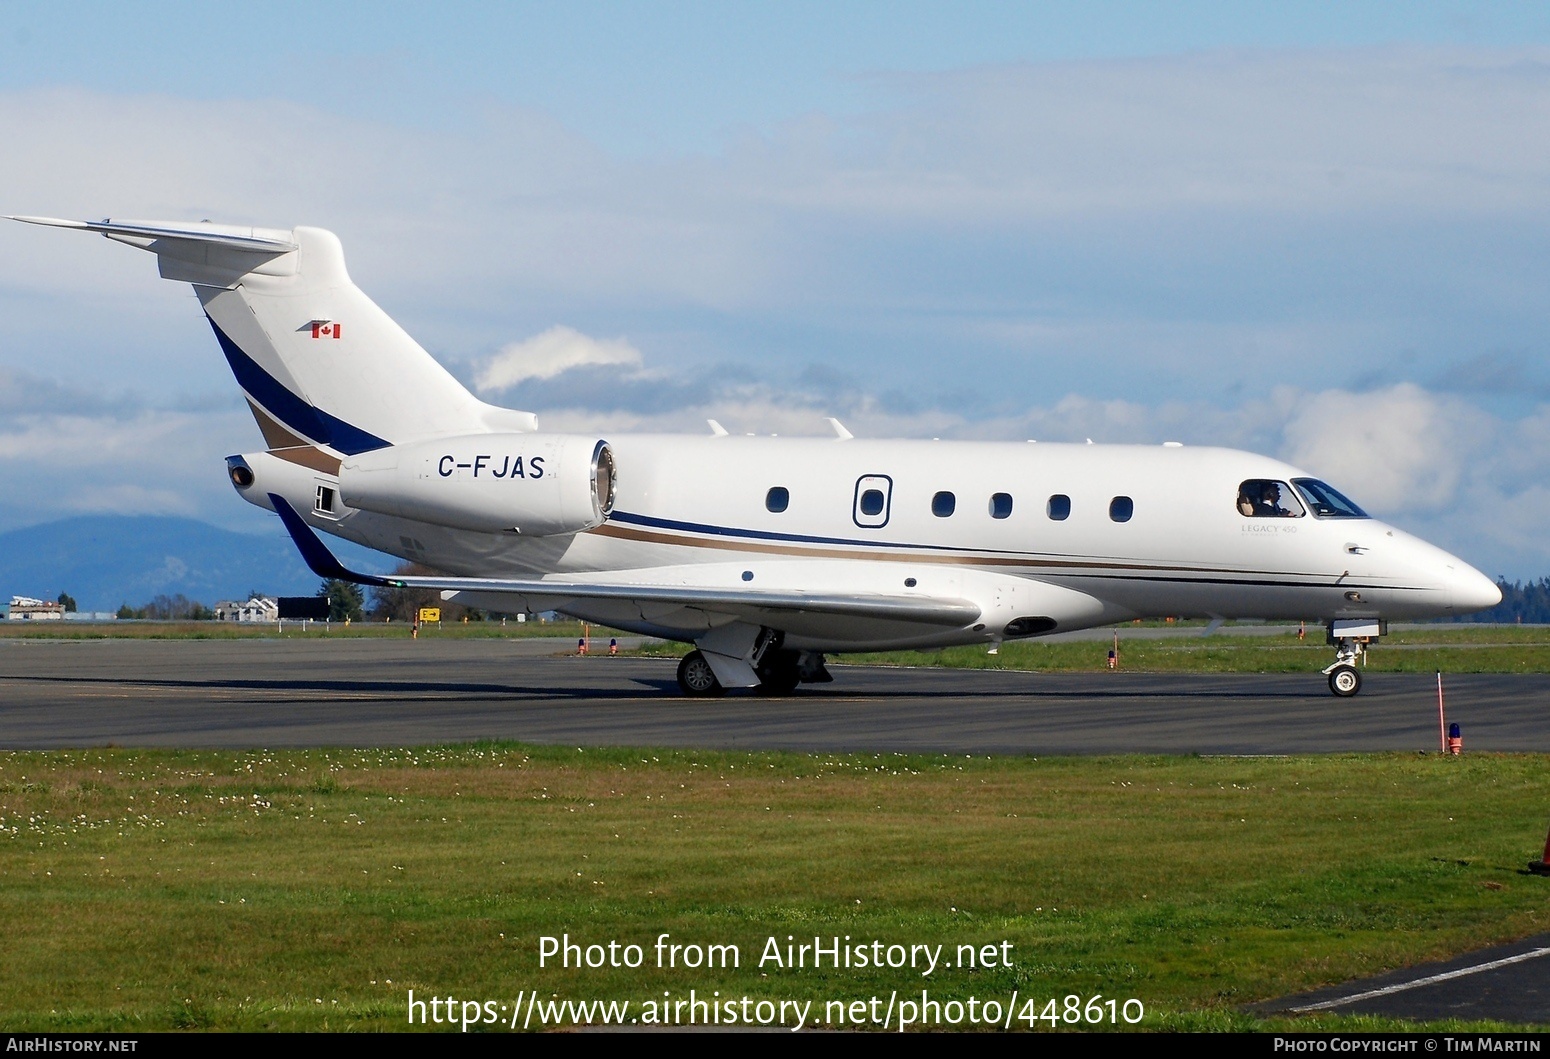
(316, 553)
(839, 429)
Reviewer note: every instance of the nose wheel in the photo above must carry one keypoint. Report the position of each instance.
(1345, 680)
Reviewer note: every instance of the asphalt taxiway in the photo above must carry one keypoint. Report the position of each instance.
(366, 692)
(1506, 983)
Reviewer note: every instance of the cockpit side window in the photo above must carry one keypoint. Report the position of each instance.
(1326, 501)
(1267, 498)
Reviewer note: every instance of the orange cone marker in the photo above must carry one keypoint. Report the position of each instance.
(1542, 867)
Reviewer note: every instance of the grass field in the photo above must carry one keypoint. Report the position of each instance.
(312, 889)
(1412, 649)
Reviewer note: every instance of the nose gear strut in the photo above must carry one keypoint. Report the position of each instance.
(1350, 637)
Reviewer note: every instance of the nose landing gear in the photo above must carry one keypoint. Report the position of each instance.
(1350, 638)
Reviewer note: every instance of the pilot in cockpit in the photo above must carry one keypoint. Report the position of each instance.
(1258, 498)
(1269, 505)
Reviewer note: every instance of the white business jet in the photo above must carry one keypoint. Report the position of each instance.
(764, 553)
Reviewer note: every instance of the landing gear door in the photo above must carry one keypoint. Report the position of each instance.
(874, 497)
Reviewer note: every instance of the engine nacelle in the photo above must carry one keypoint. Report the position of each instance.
(536, 484)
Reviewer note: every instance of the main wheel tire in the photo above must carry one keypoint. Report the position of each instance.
(696, 678)
(781, 681)
(1345, 681)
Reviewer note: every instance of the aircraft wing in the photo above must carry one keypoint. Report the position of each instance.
(634, 596)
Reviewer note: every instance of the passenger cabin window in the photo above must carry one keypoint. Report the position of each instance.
(1001, 505)
(777, 499)
(1059, 507)
(1325, 501)
(1264, 498)
(943, 504)
(1121, 508)
(870, 507)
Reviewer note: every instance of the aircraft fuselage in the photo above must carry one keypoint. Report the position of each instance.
(1126, 530)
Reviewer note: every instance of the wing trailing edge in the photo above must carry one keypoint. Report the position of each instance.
(554, 595)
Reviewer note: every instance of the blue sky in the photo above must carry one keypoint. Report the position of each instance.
(660, 78)
(1317, 231)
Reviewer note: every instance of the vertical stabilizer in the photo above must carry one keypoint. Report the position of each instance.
(320, 362)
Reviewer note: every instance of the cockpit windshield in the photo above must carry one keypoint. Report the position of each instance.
(1325, 501)
(1264, 498)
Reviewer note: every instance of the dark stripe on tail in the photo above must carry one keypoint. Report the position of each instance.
(312, 423)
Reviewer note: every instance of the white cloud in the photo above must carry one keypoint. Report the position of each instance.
(148, 462)
(23, 393)
(130, 500)
(511, 197)
(759, 410)
(1402, 449)
(559, 349)
(1299, 131)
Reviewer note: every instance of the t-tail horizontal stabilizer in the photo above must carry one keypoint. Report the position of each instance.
(145, 233)
(316, 553)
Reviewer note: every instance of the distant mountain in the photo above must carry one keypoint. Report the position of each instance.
(106, 560)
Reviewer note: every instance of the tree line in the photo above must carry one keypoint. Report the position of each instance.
(1525, 602)
(345, 602)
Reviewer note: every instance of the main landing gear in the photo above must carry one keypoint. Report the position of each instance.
(779, 672)
(1350, 638)
(697, 679)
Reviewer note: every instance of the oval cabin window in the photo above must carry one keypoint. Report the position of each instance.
(872, 502)
(1121, 508)
(1001, 505)
(943, 504)
(1059, 507)
(777, 499)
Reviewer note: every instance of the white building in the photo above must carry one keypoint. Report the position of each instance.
(25, 608)
(259, 608)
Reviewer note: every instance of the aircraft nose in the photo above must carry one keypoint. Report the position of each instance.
(1469, 590)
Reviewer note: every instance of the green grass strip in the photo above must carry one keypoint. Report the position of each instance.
(309, 890)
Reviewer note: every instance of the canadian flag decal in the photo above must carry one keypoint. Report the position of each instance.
(326, 329)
